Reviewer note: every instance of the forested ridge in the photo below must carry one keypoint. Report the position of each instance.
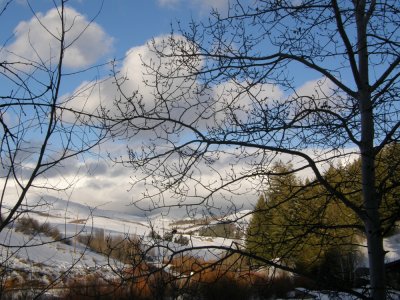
(300, 224)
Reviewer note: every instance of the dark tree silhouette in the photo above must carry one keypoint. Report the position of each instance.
(41, 127)
(229, 90)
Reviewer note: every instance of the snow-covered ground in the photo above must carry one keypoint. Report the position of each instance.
(39, 254)
(72, 219)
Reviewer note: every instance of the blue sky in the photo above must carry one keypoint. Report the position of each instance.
(119, 27)
(125, 24)
(122, 26)
(129, 22)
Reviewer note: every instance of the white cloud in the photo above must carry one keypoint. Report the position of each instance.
(242, 101)
(228, 163)
(38, 40)
(180, 99)
(321, 88)
(132, 74)
(90, 181)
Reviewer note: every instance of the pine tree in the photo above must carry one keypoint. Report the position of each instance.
(301, 224)
(257, 235)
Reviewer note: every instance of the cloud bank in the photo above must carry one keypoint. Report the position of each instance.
(38, 40)
(97, 182)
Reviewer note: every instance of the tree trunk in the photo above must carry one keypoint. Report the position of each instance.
(376, 256)
(371, 203)
(372, 221)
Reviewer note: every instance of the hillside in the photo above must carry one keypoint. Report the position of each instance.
(38, 259)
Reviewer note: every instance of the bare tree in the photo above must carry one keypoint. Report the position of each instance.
(42, 128)
(229, 90)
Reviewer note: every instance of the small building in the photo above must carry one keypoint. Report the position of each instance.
(393, 274)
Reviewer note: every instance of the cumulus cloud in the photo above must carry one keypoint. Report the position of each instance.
(216, 4)
(178, 93)
(168, 2)
(172, 94)
(37, 40)
(94, 181)
(242, 101)
(113, 183)
(320, 89)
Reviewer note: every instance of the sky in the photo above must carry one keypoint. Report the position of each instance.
(117, 28)
(127, 23)
(119, 25)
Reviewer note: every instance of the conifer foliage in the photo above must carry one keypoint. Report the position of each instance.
(301, 224)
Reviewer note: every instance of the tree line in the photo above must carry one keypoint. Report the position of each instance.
(299, 223)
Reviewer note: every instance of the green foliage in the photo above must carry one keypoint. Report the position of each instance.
(347, 180)
(258, 239)
(299, 223)
(388, 185)
(304, 224)
(336, 269)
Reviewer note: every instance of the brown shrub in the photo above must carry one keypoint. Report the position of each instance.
(28, 225)
(127, 249)
(141, 282)
(94, 287)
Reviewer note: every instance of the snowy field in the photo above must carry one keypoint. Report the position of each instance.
(52, 260)
(71, 219)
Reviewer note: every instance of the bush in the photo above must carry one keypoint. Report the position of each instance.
(168, 236)
(182, 240)
(139, 283)
(123, 248)
(220, 284)
(27, 225)
(94, 287)
(155, 236)
(31, 226)
(50, 231)
(228, 230)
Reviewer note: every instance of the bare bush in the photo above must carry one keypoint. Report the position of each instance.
(124, 248)
(28, 225)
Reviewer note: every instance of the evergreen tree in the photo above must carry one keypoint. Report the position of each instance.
(301, 224)
(257, 239)
(304, 225)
